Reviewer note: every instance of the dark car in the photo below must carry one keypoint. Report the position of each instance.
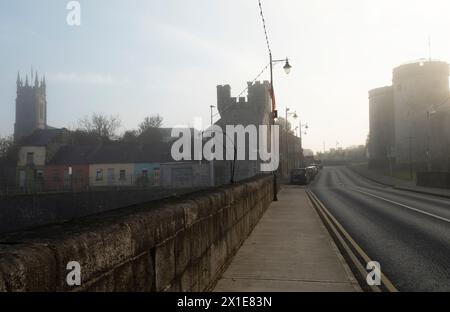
(300, 176)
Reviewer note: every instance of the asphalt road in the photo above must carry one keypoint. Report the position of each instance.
(407, 233)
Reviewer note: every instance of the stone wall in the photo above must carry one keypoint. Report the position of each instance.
(173, 245)
(31, 210)
(434, 179)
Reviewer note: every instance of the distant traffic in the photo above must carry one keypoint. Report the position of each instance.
(303, 176)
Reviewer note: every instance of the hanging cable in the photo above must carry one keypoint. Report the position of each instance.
(263, 70)
(231, 103)
(264, 26)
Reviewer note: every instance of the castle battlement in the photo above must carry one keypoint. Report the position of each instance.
(257, 102)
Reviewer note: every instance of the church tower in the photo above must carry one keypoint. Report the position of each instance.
(31, 106)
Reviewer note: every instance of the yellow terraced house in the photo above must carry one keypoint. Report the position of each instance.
(111, 174)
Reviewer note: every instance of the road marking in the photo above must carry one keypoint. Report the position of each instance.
(348, 244)
(404, 206)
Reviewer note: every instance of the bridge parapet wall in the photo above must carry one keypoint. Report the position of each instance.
(180, 244)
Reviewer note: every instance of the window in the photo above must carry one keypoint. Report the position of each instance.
(22, 178)
(56, 176)
(67, 178)
(39, 176)
(77, 175)
(99, 175)
(122, 175)
(156, 177)
(30, 158)
(145, 173)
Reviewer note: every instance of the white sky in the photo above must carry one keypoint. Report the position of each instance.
(136, 58)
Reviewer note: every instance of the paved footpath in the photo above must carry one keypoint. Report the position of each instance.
(289, 250)
(397, 183)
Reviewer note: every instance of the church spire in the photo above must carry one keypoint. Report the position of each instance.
(18, 79)
(44, 85)
(26, 80)
(36, 80)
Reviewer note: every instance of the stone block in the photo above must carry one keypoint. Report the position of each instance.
(169, 220)
(103, 284)
(190, 209)
(144, 273)
(27, 268)
(164, 264)
(182, 251)
(205, 271)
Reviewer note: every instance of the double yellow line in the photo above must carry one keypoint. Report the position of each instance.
(355, 256)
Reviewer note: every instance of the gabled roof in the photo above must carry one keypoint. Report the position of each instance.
(74, 155)
(113, 153)
(42, 137)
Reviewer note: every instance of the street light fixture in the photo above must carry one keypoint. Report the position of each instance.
(287, 67)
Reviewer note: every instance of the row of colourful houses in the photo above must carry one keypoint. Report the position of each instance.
(49, 162)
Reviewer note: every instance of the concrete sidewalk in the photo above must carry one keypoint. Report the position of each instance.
(289, 250)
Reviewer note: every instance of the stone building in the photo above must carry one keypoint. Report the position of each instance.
(253, 110)
(409, 122)
(418, 89)
(31, 106)
(256, 110)
(381, 125)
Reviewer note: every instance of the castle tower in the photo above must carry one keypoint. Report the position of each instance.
(419, 87)
(31, 106)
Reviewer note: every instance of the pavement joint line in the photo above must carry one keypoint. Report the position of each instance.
(340, 233)
(403, 205)
(287, 280)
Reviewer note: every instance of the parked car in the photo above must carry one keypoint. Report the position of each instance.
(300, 176)
(313, 171)
(318, 166)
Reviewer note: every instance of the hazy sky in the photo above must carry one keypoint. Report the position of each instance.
(141, 57)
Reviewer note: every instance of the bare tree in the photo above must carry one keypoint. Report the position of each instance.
(100, 125)
(150, 122)
(8, 149)
(130, 136)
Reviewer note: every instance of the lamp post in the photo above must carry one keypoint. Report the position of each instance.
(306, 127)
(287, 69)
(286, 139)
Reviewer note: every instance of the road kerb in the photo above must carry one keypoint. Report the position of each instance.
(355, 256)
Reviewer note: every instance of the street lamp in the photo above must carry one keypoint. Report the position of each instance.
(287, 67)
(306, 127)
(288, 113)
(286, 140)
